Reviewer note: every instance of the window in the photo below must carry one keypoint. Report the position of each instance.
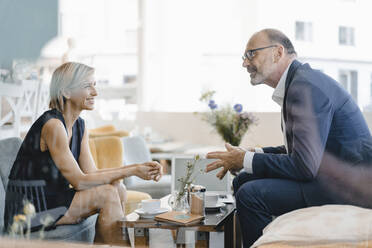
(304, 31)
(349, 80)
(346, 36)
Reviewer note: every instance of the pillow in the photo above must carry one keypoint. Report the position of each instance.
(320, 225)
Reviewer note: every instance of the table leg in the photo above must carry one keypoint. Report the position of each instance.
(202, 239)
(180, 239)
(141, 237)
(174, 235)
(125, 237)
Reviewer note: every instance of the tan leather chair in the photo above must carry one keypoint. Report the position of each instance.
(107, 130)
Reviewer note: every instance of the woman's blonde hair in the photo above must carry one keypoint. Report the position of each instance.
(67, 76)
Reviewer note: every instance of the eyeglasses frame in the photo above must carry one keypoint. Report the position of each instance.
(249, 54)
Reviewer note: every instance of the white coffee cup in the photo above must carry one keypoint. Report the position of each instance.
(211, 199)
(150, 205)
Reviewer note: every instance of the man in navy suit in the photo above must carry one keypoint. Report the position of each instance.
(327, 144)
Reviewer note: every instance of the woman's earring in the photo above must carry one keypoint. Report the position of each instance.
(65, 96)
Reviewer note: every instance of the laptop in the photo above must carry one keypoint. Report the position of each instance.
(208, 180)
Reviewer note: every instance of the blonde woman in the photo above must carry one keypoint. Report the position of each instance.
(56, 150)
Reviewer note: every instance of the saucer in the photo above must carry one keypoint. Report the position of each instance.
(151, 215)
(215, 206)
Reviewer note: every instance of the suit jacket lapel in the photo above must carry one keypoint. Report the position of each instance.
(291, 71)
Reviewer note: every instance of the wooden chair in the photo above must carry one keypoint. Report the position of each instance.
(42, 104)
(32, 191)
(10, 107)
(30, 89)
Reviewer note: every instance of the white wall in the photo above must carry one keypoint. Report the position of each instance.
(189, 128)
(195, 45)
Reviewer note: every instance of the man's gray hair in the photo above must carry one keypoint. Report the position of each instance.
(275, 35)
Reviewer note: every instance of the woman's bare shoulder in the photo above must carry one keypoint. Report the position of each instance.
(53, 127)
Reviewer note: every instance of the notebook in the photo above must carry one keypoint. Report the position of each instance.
(179, 218)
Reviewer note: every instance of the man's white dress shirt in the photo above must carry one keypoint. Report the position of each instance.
(278, 97)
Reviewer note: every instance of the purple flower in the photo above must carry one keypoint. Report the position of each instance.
(238, 107)
(212, 106)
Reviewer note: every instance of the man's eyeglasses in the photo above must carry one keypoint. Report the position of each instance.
(250, 53)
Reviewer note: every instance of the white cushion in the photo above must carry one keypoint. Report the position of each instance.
(325, 224)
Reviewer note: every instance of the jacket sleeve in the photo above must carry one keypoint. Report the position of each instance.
(275, 149)
(309, 116)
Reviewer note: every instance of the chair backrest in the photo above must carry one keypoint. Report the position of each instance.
(208, 180)
(135, 152)
(106, 130)
(29, 103)
(32, 190)
(107, 152)
(8, 152)
(42, 99)
(10, 108)
(29, 98)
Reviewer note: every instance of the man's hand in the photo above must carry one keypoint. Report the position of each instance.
(231, 160)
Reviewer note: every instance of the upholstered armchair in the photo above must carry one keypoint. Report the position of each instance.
(81, 232)
(107, 130)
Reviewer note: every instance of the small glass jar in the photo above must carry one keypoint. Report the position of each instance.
(178, 201)
(197, 199)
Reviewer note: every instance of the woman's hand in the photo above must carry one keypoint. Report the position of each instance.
(149, 171)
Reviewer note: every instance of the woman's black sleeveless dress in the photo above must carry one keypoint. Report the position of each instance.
(33, 164)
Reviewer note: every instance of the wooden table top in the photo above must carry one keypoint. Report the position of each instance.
(213, 221)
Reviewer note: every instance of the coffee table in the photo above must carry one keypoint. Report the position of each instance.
(224, 220)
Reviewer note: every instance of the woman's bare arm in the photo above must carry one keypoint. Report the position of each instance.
(54, 134)
(87, 164)
(86, 161)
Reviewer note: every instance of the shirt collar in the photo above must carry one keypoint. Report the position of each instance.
(278, 94)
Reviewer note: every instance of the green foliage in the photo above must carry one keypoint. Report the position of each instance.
(188, 179)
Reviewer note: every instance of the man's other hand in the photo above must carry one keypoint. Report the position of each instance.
(230, 160)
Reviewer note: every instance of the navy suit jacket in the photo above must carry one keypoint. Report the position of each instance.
(320, 118)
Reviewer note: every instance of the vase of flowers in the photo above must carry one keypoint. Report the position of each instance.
(179, 200)
(230, 122)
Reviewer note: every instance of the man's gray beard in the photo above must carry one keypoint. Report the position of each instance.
(256, 83)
